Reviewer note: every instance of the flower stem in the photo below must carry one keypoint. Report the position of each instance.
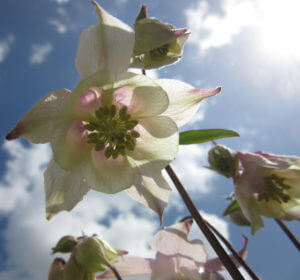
(289, 234)
(115, 272)
(234, 252)
(226, 260)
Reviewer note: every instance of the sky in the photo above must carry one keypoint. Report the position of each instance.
(250, 48)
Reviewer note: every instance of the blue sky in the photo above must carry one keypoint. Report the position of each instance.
(250, 48)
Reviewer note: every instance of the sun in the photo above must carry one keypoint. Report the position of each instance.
(279, 27)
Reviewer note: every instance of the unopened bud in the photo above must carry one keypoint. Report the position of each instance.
(56, 271)
(65, 244)
(93, 254)
(223, 160)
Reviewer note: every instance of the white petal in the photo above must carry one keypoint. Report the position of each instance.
(38, 123)
(151, 190)
(110, 175)
(108, 45)
(157, 145)
(184, 99)
(63, 189)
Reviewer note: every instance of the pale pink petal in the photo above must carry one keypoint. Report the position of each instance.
(89, 102)
(173, 241)
(163, 268)
(130, 266)
(184, 99)
(123, 97)
(69, 145)
(110, 175)
(216, 264)
(39, 122)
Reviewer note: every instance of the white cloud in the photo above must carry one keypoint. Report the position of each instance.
(58, 25)
(28, 233)
(39, 52)
(120, 2)
(214, 30)
(61, 1)
(5, 46)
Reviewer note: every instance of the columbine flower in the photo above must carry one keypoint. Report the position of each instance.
(177, 258)
(116, 131)
(268, 185)
(156, 43)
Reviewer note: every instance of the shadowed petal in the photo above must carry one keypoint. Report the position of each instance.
(63, 189)
(151, 190)
(37, 124)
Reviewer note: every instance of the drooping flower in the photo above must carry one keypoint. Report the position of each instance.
(116, 131)
(156, 43)
(268, 185)
(177, 258)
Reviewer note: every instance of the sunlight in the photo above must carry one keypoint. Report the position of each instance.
(280, 28)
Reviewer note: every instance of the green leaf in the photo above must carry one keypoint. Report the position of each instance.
(233, 206)
(204, 135)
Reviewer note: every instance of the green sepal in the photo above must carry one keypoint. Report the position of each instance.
(204, 135)
(232, 207)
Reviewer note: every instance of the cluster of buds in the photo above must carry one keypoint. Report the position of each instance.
(88, 256)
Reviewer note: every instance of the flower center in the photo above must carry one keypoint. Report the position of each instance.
(159, 52)
(275, 189)
(112, 131)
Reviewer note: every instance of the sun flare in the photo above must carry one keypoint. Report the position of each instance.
(279, 27)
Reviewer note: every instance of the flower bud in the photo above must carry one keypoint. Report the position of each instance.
(56, 271)
(223, 160)
(73, 270)
(93, 254)
(65, 244)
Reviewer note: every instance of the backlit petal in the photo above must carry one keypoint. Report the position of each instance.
(63, 189)
(183, 99)
(38, 123)
(110, 175)
(108, 45)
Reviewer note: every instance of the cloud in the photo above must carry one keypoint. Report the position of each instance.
(61, 1)
(211, 29)
(58, 25)
(120, 3)
(39, 53)
(27, 232)
(5, 46)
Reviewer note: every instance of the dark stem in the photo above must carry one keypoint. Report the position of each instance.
(233, 251)
(289, 234)
(143, 71)
(226, 260)
(115, 272)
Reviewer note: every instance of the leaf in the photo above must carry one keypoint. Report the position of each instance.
(233, 206)
(204, 135)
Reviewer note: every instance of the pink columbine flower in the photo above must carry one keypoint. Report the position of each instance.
(177, 258)
(268, 185)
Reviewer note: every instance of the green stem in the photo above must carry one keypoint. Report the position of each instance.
(226, 260)
(234, 252)
(115, 272)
